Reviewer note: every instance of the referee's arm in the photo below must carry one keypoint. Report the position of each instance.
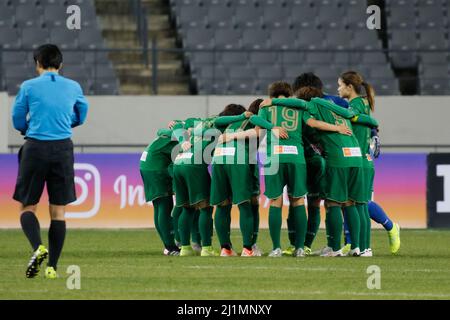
(20, 111)
(80, 110)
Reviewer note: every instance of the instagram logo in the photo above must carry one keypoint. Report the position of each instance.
(87, 181)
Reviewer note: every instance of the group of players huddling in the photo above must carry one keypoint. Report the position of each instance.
(314, 145)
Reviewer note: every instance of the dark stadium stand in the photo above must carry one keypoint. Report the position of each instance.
(233, 46)
(26, 24)
(330, 36)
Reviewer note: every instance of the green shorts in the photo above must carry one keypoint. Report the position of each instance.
(369, 175)
(344, 184)
(157, 184)
(192, 184)
(292, 175)
(315, 175)
(232, 181)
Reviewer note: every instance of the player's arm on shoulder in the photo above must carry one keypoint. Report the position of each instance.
(345, 113)
(226, 120)
(365, 120)
(320, 125)
(20, 110)
(291, 102)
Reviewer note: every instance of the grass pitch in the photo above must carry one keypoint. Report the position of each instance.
(128, 264)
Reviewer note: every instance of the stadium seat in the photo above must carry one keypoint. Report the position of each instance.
(430, 16)
(255, 39)
(34, 37)
(433, 39)
(242, 87)
(10, 38)
(303, 17)
(220, 16)
(90, 39)
(435, 86)
(238, 72)
(283, 39)
(276, 17)
(386, 86)
(191, 17)
(433, 71)
(263, 58)
(6, 15)
(338, 40)
(198, 39)
(55, 15)
(64, 38)
(330, 17)
(291, 58)
(365, 39)
(232, 58)
(310, 39)
(247, 15)
(406, 41)
(28, 15)
(227, 39)
(434, 58)
(274, 72)
(105, 87)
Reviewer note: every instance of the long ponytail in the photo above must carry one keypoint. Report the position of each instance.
(370, 92)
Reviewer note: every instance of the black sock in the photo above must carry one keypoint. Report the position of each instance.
(31, 228)
(56, 236)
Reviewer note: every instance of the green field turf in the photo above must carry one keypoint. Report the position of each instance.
(128, 264)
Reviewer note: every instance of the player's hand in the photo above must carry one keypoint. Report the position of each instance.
(265, 103)
(248, 114)
(171, 124)
(185, 146)
(343, 129)
(280, 133)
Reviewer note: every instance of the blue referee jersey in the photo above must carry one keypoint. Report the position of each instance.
(48, 107)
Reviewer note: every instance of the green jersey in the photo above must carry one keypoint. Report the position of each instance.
(236, 151)
(360, 106)
(202, 135)
(242, 151)
(339, 150)
(157, 155)
(285, 150)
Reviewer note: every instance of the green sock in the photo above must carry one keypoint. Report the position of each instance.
(354, 225)
(246, 224)
(156, 218)
(275, 226)
(291, 226)
(221, 224)
(195, 234)
(334, 227)
(165, 205)
(313, 225)
(185, 225)
(368, 227)
(255, 211)
(176, 212)
(300, 223)
(204, 226)
(363, 226)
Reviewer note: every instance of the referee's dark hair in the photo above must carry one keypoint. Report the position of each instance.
(308, 79)
(48, 56)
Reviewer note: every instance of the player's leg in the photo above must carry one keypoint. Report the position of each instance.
(195, 232)
(56, 237)
(61, 191)
(297, 189)
(255, 211)
(222, 224)
(274, 191)
(241, 177)
(164, 206)
(336, 194)
(185, 225)
(291, 231)
(220, 196)
(313, 221)
(354, 224)
(275, 221)
(205, 227)
(176, 212)
(28, 190)
(378, 215)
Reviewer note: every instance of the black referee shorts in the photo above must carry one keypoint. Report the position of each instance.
(42, 162)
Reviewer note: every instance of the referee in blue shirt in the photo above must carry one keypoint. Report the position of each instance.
(45, 111)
